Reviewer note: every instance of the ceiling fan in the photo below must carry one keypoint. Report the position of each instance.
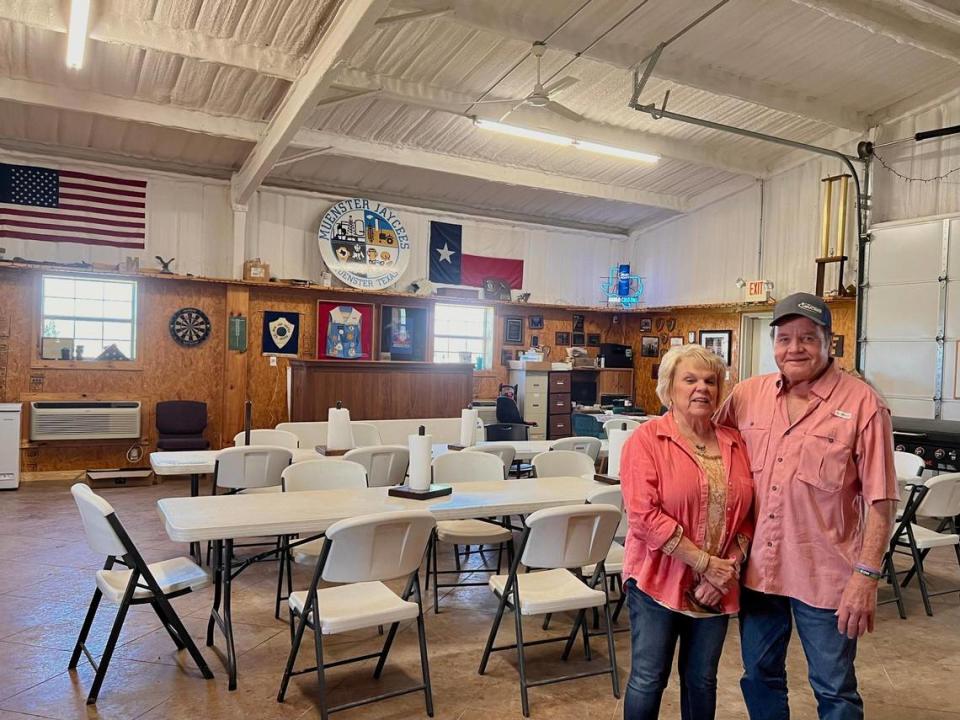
(539, 97)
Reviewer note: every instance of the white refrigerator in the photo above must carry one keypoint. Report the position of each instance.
(9, 446)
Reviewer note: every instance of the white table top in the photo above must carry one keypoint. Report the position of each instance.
(527, 449)
(217, 517)
(601, 418)
(201, 462)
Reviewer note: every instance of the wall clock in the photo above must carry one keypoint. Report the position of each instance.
(189, 326)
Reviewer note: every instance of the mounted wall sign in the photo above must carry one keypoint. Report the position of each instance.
(364, 243)
(189, 326)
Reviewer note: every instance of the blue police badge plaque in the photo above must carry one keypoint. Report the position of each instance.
(364, 243)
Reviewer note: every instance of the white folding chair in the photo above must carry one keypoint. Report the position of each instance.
(909, 467)
(386, 465)
(365, 434)
(138, 584)
(360, 554)
(582, 444)
(506, 452)
(554, 540)
(613, 564)
(460, 467)
(937, 497)
(319, 474)
(561, 463)
(277, 438)
(618, 424)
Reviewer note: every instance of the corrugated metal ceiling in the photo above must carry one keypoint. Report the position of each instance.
(776, 42)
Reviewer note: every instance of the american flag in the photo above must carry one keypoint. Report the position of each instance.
(64, 206)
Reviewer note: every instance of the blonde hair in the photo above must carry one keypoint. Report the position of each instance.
(668, 368)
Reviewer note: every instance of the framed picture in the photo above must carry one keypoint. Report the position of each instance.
(577, 323)
(505, 357)
(562, 339)
(836, 346)
(646, 324)
(534, 341)
(281, 333)
(676, 342)
(536, 322)
(593, 340)
(579, 340)
(655, 371)
(691, 337)
(649, 346)
(513, 331)
(344, 332)
(717, 342)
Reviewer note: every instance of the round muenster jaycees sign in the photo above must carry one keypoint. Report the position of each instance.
(364, 243)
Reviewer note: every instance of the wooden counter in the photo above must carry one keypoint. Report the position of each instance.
(374, 390)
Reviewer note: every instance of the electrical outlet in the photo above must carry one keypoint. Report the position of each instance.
(273, 361)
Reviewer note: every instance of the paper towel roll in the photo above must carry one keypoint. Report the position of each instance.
(468, 427)
(617, 438)
(421, 449)
(339, 430)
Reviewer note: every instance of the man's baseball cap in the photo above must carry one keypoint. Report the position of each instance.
(804, 305)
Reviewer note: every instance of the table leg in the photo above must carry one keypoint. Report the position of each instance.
(227, 614)
(222, 579)
(194, 491)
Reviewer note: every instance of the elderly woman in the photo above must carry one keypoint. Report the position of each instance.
(687, 491)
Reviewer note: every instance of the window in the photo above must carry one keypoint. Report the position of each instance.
(88, 319)
(459, 329)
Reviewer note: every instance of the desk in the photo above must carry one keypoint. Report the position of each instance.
(225, 518)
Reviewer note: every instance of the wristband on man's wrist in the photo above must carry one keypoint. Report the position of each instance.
(868, 571)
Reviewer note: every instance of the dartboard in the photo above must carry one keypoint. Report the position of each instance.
(189, 326)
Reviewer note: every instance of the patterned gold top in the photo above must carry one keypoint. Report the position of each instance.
(716, 501)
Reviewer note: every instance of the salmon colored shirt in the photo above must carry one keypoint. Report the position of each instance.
(813, 480)
(663, 487)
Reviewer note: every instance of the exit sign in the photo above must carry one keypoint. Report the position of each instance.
(757, 290)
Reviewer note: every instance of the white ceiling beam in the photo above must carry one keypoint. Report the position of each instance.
(167, 116)
(414, 15)
(671, 66)
(924, 99)
(484, 170)
(351, 21)
(32, 93)
(933, 37)
(409, 93)
(149, 35)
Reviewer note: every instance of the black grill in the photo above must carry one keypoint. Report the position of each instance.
(936, 441)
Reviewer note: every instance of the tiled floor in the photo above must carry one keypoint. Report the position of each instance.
(907, 669)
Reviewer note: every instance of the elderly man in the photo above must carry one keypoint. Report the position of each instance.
(821, 452)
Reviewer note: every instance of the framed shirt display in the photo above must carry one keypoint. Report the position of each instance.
(344, 331)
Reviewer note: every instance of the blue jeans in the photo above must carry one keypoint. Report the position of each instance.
(654, 631)
(765, 626)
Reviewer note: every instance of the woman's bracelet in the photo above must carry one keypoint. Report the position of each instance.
(702, 562)
(868, 571)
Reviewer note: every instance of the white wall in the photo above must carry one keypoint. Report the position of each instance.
(897, 199)
(560, 266)
(698, 257)
(191, 220)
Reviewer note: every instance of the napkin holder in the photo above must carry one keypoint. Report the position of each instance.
(434, 491)
(606, 479)
(324, 450)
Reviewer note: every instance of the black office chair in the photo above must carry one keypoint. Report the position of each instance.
(510, 425)
(180, 425)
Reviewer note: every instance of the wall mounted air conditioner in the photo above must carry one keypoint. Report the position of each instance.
(84, 420)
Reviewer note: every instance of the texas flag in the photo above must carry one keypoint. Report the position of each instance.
(452, 263)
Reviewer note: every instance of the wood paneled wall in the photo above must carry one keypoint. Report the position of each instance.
(223, 378)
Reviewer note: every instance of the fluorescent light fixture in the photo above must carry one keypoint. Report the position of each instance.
(522, 132)
(616, 152)
(554, 139)
(77, 32)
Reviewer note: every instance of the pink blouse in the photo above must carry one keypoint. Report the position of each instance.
(664, 486)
